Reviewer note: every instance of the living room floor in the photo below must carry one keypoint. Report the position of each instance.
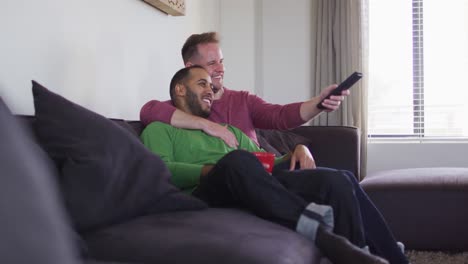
(437, 257)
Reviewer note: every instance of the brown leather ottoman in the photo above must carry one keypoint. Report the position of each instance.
(426, 208)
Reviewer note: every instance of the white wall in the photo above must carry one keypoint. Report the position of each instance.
(238, 39)
(388, 156)
(287, 50)
(109, 55)
(267, 48)
(114, 55)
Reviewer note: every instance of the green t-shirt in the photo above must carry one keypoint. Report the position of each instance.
(186, 151)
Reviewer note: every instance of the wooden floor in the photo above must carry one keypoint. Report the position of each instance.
(437, 257)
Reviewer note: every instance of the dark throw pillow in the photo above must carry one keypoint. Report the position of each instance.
(106, 176)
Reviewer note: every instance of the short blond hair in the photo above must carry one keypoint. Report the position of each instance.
(190, 48)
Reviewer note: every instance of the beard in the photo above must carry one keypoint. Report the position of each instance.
(194, 105)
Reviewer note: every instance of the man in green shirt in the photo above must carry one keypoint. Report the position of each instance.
(233, 177)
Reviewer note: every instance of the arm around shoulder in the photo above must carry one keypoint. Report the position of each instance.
(165, 112)
(155, 110)
(181, 119)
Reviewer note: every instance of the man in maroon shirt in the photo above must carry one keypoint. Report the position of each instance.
(247, 112)
(238, 108)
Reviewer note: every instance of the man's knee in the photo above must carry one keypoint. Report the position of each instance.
(240, 166)
(238, 159)
(240, 162)
(337, 181)
(352, 178)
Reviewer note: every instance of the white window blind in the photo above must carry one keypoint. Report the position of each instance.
(418, 69)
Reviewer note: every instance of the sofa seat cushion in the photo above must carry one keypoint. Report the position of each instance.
(90, 261)
(208, 236)
(424, 207)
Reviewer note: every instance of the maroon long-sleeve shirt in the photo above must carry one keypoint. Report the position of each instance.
(238, 108)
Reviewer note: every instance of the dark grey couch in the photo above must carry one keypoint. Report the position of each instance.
(122, 208)
(226, 235)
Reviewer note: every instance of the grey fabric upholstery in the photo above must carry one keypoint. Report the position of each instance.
(90, 261)
(335, 147)
(227, 236)
(220, 235)
(424, 207)
(33, 225)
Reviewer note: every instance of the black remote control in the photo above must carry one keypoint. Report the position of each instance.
(345, 85)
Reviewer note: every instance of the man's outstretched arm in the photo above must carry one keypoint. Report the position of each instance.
(310, 110)
(165, 112)
(274, 116)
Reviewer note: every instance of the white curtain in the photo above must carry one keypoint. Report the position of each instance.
(341, 49)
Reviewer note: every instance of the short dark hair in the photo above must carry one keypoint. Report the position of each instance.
(190, 48)
(180, 77)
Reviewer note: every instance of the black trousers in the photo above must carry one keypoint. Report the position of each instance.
(378, 236)
(239, 180)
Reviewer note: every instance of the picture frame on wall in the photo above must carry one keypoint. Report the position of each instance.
(171, 7)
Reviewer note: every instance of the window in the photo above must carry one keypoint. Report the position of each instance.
(418, 69)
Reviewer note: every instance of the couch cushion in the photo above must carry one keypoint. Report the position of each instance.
(33, 227)
(424, 207)
(106, 175)
(227, 236)
(90, 261)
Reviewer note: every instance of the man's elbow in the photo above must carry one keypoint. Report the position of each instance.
(145, 112)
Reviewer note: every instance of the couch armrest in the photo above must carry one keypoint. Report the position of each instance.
(332, 146)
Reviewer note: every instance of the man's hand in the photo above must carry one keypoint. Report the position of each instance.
(334, 102)
(310, 110)
(206, 169)
(302, 155)
(220, 131)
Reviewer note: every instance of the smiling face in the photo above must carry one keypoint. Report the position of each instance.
(198, 95)
(210, 57)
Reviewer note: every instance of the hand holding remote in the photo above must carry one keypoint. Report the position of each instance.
(346, 84)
